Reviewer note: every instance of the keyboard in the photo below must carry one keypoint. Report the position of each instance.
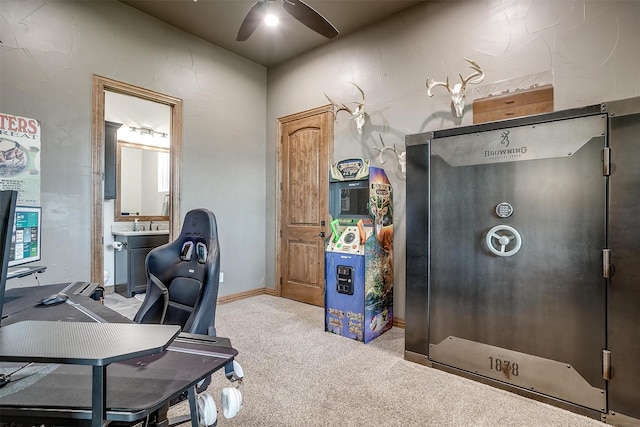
(84, 288)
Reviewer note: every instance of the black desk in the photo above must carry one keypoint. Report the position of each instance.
(84, 343)
(135, 388)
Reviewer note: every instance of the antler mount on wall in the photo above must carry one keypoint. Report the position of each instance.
(357, 112)
(459, 90)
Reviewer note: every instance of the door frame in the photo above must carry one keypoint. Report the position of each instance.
(281, 122)
(99, 86)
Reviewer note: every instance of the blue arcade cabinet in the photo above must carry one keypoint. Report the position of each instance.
(359, 252)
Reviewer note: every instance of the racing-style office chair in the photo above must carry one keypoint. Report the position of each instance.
(182, 289)
(183, 277)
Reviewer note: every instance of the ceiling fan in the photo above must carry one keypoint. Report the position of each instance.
(296, 8)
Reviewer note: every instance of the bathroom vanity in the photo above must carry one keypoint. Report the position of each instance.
(130, 272)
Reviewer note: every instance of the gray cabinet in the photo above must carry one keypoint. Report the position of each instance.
(130, 272)
(110, 158)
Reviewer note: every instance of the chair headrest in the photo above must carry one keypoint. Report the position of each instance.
(198, 236)
(199, 225)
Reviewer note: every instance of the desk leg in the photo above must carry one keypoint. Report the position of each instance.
(193, 407)
(98, 396)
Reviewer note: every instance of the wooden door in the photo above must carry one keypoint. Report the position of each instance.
(306, 140)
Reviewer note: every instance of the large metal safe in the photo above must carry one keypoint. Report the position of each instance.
(523, 256)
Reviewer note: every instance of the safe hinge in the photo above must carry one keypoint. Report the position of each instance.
(606, 161)
(606, 364)
(606, 263)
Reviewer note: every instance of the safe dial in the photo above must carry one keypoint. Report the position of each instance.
(503, 240)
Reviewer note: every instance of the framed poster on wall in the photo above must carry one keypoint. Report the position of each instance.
(20, 157)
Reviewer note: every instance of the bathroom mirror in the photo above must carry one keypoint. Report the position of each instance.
(142, 182)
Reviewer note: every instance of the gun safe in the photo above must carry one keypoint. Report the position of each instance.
(523, 250)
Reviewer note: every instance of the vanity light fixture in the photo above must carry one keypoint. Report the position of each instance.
(147, 131)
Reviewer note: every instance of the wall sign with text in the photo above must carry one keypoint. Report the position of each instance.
(20, 157)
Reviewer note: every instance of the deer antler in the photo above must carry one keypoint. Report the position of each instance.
(343, 107)
(402, 157)
(431, 84)
(357, 113)
(478, 73)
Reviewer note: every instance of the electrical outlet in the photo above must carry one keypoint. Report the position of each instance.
(221, 277)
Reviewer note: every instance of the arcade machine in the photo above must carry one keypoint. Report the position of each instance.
(359, 252)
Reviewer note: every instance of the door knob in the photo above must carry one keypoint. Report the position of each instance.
(321, 234)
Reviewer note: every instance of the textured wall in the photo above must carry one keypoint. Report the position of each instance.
(588, 50)
(49, 51)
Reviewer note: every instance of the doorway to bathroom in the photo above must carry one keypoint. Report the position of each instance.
(171, 206)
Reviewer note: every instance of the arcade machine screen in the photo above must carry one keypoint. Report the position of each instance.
(354, 201)
(349, 200)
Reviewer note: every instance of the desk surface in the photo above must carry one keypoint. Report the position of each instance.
(135, 387)
(82, 343)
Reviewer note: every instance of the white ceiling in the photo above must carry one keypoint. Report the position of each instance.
(218, 21)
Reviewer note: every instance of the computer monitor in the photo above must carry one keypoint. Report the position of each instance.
(7, 216)
(26, 236)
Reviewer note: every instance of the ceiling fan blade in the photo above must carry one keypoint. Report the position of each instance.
(309, 17)
(251, 21)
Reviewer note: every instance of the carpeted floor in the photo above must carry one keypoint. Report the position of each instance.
(298, 375)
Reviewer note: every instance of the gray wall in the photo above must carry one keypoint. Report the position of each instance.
(49, 51)
(588, 50)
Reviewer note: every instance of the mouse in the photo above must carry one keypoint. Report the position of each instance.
(54, 299)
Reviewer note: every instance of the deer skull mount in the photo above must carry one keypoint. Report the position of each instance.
(402, 157)
(459, 90)
(357, 114)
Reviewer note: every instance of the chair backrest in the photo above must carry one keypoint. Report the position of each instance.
(183, 277)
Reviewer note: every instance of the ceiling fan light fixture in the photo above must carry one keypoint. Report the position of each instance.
(296, 8)
(271, 19)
